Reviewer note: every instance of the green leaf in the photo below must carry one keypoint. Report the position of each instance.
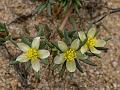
(92, 54)
(14, 62)
(73, 22)
(78, 66)
(78, 2)
(64, 3)
(37, 76)
(102, 48)
(107, 39)
(2, 41)
(66, 37)
(2, 27)
(55, 45)
(49, 44)
(60, 33)
(71, 33)
(48, 31)
(76, 9)
(45, 61)
(40, 8)
(61, 73)
(89, 62)
(42, 44)
(81, 56)
(83, 43)
(26, 40)
(49, 8)
(40, 29)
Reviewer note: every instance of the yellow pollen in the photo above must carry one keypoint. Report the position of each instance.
(32, 54)
(90, 42)
(70, 55)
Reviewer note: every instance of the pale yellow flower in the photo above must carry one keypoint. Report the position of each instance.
(91, 42)
(32, 53)
(68, 54)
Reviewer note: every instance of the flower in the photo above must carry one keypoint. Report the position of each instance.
(68, 54)
(91, 42)
(32, 53)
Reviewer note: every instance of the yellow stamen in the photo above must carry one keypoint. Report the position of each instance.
(70, 55)
(32, 54)
(90, 42)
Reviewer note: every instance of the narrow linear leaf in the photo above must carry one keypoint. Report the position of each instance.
(2, 27)
(102, 48)
(45, 61)
(60, 33)
(49, 45)
(78, 66)
(71, 33)
(40, 8)
(73, 22)
(76, 8)
(89, 62)
(78, 2)
(42, 44)
(92, 54)
(14, 62)
(61, 73)
(66, 37)
(48, 31)
(37, 76)
(49, 8)
(26, 40)
(55, 45)
(40, 29)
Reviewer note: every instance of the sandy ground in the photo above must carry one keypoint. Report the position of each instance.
(106, 76)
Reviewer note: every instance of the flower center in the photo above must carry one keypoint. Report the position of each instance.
(70, 55)
(32, 54)
(91, 42)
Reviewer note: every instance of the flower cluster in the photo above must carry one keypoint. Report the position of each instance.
(68, 54)
(72, 53)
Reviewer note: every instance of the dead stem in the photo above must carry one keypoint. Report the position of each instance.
(65, 19)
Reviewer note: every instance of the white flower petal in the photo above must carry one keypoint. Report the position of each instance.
(59, 59)
(75, 44)
(71, 66)
(82, 36)
(22, 58)
(63, 47)
(94, 50)
(83, 49)
(100, 43)
(43, 53)
(91, 32)
(23, 47)
(35, 65)
(36, 43)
